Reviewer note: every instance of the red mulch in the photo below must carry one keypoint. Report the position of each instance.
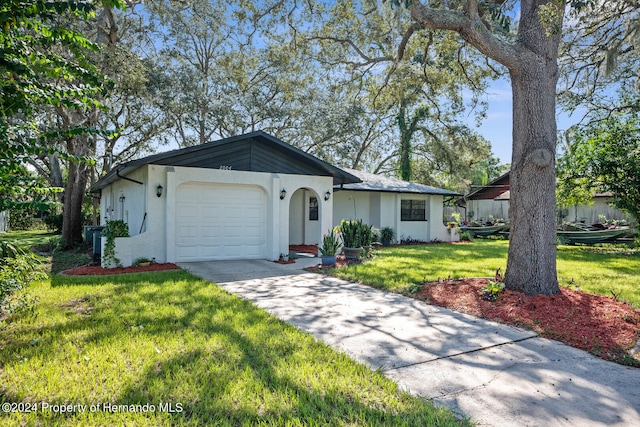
(598, 324)
(100, 271)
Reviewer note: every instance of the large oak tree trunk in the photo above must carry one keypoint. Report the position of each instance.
(83, 145)
(532, 61)
(78, 172)
(531, 266)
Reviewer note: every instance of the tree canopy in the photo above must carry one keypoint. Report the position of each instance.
(604, 158)
(43, 62)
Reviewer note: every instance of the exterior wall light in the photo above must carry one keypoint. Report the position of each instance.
(327, 195)
(121, 198)
(159, 190)
(283, 194)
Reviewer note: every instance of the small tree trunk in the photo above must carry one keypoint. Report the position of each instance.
(74, 196)
(531, 266)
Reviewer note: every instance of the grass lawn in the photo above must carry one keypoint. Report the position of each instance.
(27, 239)
(170, 338)
(595, 270)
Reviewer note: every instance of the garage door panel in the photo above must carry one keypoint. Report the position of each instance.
(187, 252)
(253, 213)
(254, 232)
(211, 211)
(253, 251)
(213, 233)
(210, 251)
(220, 222)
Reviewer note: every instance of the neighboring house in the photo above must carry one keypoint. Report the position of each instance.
(247, 197)
(4, 221)
(492, 200)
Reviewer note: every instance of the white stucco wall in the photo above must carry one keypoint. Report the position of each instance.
(139, 199)
(158, 236)
(383, 210)
(297, 217)
(302, 230)
(351, 205)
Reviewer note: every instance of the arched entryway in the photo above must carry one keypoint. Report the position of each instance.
(305, 217)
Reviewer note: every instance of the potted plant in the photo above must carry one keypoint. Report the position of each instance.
(329, 248)
(284, 259)
(352, 233)
(367, 238)
(386, 235)
(142, 262)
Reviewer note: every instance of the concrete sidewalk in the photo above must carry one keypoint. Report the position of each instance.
(495, 374)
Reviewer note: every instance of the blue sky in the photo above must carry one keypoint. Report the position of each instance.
(496, 128)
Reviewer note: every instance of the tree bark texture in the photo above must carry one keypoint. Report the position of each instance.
(82, 145)
(78, 173)
(532, 61)
(73, 198)
(531, 265)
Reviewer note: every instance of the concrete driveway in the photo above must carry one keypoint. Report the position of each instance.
(495, 374)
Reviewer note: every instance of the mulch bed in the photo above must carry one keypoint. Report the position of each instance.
(598, 324)
(100, 271)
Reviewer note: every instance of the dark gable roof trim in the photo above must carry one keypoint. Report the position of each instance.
(492, 190)
(373, 182)
(198, 153)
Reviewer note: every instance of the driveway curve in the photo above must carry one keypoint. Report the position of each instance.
(495, 374)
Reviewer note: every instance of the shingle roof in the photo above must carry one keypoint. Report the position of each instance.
(373, 182)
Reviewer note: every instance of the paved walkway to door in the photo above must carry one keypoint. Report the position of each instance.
(495, 374)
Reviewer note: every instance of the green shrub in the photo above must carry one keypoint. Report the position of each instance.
(354, 233)
(330, 244)
(53, 222)
(111, 230)
(466, 235)
(21, 219)
(386, 235)
(367, 234)
(17, 269)
(492, 291)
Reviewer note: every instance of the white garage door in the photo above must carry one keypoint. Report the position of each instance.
(218, 222)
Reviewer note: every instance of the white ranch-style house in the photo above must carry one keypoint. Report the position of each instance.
(250, 197)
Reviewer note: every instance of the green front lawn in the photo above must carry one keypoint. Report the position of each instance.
(595, 270)
(171, 338)
(27, 239)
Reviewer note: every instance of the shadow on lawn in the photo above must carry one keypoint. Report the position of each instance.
(224, 361)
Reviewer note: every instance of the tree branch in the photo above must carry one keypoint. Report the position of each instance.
(469, 25)
(364, 56)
